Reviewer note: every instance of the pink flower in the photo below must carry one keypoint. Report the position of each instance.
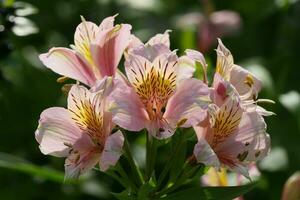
(231, 136)
(160, 95)
(96, 53)
(82, 132)
(243, 81)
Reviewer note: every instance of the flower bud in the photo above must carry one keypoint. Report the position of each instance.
(291, 189)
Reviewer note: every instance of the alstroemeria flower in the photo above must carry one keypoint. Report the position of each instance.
(161, 95)
(244, 82)
(82, 132)
(96, 53)
(231, 136)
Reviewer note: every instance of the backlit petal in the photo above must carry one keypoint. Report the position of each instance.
(127, 110)
(249, 142)
(80, 161)
(224, 61)
(107, 23)
(108, 48)
(160, 39)
(67, 63)
(205, 154)
(151, 52)
(189, 103)
(56, 132)
(112, 151)
(243, 81)
(84, 35)
(88, 109)
(185, 68)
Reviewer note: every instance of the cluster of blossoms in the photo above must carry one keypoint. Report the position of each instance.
(157, 93)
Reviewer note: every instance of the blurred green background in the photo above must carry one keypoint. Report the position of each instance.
(263, 36)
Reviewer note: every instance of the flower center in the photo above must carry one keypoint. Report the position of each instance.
(89, 121)
(226, 121)
(154, 89)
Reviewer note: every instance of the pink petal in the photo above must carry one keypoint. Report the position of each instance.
(160, 39)
(108, 48)
(196, 56)
(224, 61)
(185, 68)
(160, 128)
(87, 107)
(56, 132)
(189, 102)
(105, 86)
(136, 68)
(249, 142)
(151, 52)
(222, 90)
(238, 78)
(205, 154)
(84, 35)
(80, 96)
(135, 42)
(83, 156)
(112, 151)
(107, 23)
(127, 109)
(67, 63)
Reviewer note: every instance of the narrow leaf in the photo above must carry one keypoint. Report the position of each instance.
(211, 193)
(15, 163)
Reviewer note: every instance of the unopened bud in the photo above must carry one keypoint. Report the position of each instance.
(62, 79)
(66, 88)
(291, 189)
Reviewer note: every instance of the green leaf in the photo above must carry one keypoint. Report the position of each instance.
(125, 195)
(145, 191)
(178, 163)
(211, 193)
(11, 162)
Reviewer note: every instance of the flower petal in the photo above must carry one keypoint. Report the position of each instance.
(224, 61)
(243, 81)
(108, 48)
(135, 42)
(185, 68)
(127, 110)
(160, 39)
(196, 56)
(84, 35)
(107, 23)
(189, 103)
(205, 154)
(160, 128)
(79, 97)
(84, 155)
(67, 63)
(56, 132)
(250, 142)
(112, 150)
(222, 89)
(151, 52)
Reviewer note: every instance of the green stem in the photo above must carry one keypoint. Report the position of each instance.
(124, 175)
(150, 156)
(178, 146)
(135, 170)
(185, 176)
(117, 178)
